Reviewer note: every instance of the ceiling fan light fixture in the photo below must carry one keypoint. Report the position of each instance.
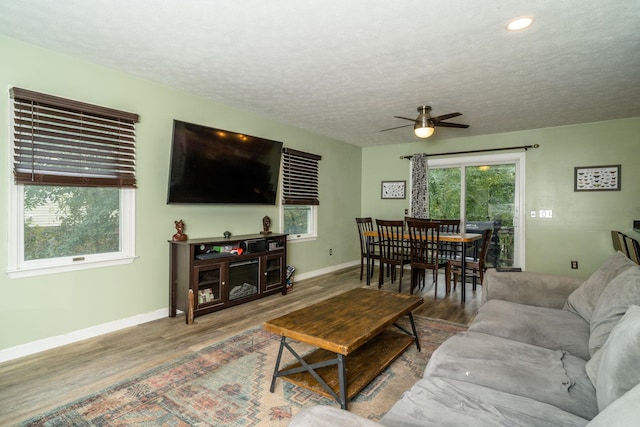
(423, 128)
(423, 131)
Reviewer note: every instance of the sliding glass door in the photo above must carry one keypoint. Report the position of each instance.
(486, 192)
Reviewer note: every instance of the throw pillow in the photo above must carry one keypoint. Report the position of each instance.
(613, 303)
(623, 412)
(583, 300)
(619, 369)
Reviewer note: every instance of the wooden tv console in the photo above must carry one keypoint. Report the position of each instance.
(219, 279)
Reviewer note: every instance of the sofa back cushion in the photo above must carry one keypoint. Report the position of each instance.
(619, 369)
(622, 292)
(583, 300)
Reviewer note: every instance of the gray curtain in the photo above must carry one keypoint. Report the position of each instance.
(419, 186)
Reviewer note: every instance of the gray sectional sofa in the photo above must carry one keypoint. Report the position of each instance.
(543, 350)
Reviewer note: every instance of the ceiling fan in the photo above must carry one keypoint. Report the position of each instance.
(423, 125)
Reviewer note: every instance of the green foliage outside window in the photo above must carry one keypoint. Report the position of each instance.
(87, 221)
(296, 219)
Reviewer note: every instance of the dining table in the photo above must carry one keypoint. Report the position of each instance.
(463, 238)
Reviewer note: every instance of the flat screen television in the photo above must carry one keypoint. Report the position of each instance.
(217, 166)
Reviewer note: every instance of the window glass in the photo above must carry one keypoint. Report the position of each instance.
(70, 221)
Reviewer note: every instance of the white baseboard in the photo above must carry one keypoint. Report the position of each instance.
(82, 334)
(327, 270)
(94, 331)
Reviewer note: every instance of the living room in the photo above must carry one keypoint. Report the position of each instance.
(41, 311)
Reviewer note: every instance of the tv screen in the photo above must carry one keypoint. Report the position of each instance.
(217, 166)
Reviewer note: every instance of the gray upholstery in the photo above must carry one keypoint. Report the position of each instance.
(584, 299)
(550, 328)
(549, 376)
(537, 289)
(435, 401)
(526, 359)
(613, 303)
(619, 369)
(624, 412)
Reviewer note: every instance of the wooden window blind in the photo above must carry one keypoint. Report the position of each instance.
(58, 141)
(300, 178)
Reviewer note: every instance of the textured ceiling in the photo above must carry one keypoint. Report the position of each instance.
(345, 68)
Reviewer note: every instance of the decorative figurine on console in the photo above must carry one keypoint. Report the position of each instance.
(266, 224)
(179, 236)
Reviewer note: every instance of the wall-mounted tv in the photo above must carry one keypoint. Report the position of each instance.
(217, 166)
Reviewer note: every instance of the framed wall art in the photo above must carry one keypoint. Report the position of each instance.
(393, 189)
(597, 178)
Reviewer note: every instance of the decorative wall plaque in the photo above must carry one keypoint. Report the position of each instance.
(597, 178)
(393, 189)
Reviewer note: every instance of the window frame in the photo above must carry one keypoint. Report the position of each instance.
(17, 266)
(297, 191)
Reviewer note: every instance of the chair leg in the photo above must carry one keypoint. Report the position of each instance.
(380, 274)
(361, 268)
(447, 277)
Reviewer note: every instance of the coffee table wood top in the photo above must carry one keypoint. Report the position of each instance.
(345, 322)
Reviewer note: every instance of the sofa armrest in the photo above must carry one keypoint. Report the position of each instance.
(538, 289)
(328, 416)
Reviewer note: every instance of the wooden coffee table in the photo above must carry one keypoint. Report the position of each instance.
(351, 332)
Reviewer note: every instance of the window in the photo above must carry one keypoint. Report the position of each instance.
(72, 205)
(300, 194)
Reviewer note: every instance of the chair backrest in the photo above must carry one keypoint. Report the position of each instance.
(391, 239)
(449, 225)
(423, 242)
(364, 225)
(633, 249)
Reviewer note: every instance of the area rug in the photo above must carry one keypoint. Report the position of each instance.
(227, 384)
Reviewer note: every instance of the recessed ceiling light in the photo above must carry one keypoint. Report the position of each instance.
(520, 23)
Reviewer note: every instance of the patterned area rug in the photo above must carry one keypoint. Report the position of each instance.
(227, 384)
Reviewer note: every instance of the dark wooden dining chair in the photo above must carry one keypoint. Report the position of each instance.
(366, 225)
(475, 266)
(424, 251)
(392, 249)
(449, 250)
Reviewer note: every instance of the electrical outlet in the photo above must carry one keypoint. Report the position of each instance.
(406, 211)
(330, 251)
(546, 213)
(574, 265)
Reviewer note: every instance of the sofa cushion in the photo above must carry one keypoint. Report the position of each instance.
(623, 412)
(549, 376)
(550, 328)
(583, 300)
(613, 303)
(446, 402)
(619, 369)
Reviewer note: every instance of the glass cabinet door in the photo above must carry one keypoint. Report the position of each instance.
(273, 269)
(209, 286)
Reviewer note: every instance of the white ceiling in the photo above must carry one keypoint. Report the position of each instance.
(345, 68)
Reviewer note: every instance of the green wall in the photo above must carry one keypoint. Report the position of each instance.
(35, 308)
(582, 221)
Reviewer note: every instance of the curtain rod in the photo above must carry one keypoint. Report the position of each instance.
(524, 147)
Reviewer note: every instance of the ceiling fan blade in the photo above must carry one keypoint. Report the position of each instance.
(445, 117)
(451, 125)
(397, 127)
(405, 118)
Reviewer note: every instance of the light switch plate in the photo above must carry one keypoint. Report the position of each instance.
(546, 213)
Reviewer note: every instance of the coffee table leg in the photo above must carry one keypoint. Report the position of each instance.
(275, 371)
(415, 332)
(342, 378)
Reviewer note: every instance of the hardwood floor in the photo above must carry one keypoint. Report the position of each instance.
(43, 381)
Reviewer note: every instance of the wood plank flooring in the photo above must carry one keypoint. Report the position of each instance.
(43, 381)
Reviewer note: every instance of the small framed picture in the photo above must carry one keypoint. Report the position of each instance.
(393, 189)
(597, 178)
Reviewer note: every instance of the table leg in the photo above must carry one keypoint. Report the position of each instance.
(342, 378)
(275, 370)
(463, 266)
(368, 274)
